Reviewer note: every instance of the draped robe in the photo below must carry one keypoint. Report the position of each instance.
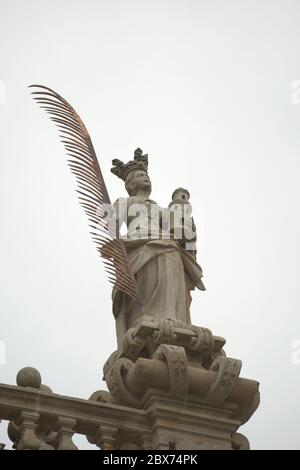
(165, 272)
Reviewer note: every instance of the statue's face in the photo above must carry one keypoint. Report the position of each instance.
(181, 196)
(141, 180)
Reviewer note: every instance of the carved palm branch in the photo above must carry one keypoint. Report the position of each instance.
(93, 192)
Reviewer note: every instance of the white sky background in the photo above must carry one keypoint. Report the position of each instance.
(203, 87)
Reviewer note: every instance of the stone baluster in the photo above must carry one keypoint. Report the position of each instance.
(65, 431)
(28, 423)
(105, 437)
(147, 441)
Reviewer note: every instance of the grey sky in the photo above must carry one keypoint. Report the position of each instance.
(203, 87)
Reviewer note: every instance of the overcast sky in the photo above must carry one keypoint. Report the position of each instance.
(205, 88)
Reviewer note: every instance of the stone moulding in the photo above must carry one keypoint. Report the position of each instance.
(42, 414)
(48, 421)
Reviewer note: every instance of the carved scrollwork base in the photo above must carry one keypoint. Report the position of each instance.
(148, 333)
(115, 381)
(176, 360)
(228, 371)
(165, 332)
(202, 341)
(132, 343)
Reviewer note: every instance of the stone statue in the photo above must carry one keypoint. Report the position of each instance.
(164, 270)
(153, 268)
(163, 364)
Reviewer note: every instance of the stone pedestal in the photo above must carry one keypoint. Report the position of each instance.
(184, 425)
(171, 387)
(179, 374)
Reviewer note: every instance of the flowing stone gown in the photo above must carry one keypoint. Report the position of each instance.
(165, 272)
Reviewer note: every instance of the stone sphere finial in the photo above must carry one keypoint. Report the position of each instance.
(29, 377)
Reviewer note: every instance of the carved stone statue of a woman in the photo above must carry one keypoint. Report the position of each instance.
(164, 269)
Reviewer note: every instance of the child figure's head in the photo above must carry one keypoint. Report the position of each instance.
(180, 196)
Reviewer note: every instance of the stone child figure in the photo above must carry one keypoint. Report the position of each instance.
(182, 226)
(164, 270)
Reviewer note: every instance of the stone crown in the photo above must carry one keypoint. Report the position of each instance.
(122, 170)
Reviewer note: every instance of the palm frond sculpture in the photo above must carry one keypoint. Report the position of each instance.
(93, 194)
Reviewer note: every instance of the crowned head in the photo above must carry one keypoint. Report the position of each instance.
(134, 173)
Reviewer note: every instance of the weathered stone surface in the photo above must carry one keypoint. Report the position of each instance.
(170, 383)
(29, 377)
(164, 267)
(185, 368)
